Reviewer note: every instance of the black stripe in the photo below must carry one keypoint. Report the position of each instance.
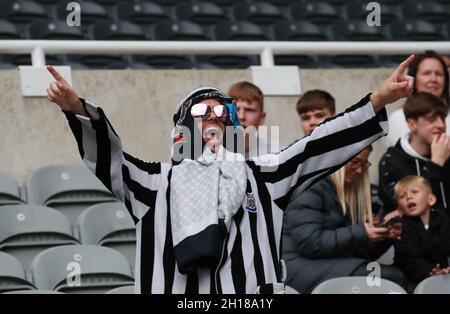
(237, 260)
(223, 261)
(168, 253)
(147, 251)
(258, 261)
(192, 283)
(265, 200)
(149, 167)
(76, 127)
(142, 194)
(130, 210)
(103, 164)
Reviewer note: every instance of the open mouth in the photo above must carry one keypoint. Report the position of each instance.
(211, 132)
(411, 206)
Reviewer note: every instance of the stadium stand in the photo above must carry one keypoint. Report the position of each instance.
(12, 275)
(80, 269)
(69, 189)
(434, 285)
(122, 290)
(109, 225)
(357, 285)
(9, 190)
(26, 230)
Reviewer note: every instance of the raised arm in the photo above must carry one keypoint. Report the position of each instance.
(332, 143)
(131, 180)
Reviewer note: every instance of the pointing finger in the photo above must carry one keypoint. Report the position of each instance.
(55, 74)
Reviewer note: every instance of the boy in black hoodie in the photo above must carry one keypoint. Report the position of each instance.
(424, 151)
(424, 248)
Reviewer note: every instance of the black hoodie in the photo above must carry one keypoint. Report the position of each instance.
(397, 163)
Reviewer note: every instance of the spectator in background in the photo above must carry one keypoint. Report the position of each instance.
(431, 76)
(424, 151)
(313, 107)
(424, 248)
(328, 231)
(250, 110)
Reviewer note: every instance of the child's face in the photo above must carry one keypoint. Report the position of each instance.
(415, 199)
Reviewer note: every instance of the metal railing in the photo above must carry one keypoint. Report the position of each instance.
(266, 49)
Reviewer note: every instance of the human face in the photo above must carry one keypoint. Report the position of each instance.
(311, 119)
(415, 199)
(426, 129)
(430, 77)
(355, 168)
(212, 128)
(250, 113)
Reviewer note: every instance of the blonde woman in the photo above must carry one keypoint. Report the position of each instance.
(329, 231)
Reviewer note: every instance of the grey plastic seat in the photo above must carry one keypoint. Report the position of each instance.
(358, 31)
(416, 30)
(19, 11)
(91, 12)
(244, 31)
(258, 12)
(122, 290)
(69, 189)
(26, 230)
(200, 12)
(12, 275)
(388, 257)
(427, 10)
(300, 30)
(357, 285)
(180, 30)
(141, 12)
(9, 190)
(106, 30)
(33, 292)
(80, 269)
(318, 12)
(110, 225)
(357, 10)
(54, 30)
(434, 285)
(8, 31)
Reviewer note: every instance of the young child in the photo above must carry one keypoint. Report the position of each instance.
(424, 248)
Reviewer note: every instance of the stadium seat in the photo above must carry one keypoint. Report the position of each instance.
(357, 285)
(315, 12)
(141, 12)
(91, 12)
(97, 61)
(9, 30)
(107, 30)
(257, 12)
(122, 290)
(416, 31)
(25, 59)
(229, 61)
(302, 61)
(9, 190)
(357, 11)
(349, 61)
(429, 11)
(434, 285)
(161, 62)
(110, 225)
(358, 31)
(240, 31)
(26, 230)
(20, 11)
(165, 2)
(54, 30)
(388, 257)
(12, 275)
(80, 269)
(69, 189)
(33, 292)
(200, 12)
(298, 31)
(181, 30)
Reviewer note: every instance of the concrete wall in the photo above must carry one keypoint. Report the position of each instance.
(140, 105)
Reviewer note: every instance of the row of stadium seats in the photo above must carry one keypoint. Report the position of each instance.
(184, 30)
(67, 269)
(207, 12)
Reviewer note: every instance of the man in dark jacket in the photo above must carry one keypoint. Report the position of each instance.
(424, 151)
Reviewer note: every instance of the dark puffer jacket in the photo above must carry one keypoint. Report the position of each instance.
(319, 242)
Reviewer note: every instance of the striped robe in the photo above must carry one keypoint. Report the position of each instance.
(250, 261)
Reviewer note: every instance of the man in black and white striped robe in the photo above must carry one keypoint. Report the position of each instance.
(250, 261)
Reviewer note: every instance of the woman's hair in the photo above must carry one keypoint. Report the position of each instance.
(430, 54)
(355, 198)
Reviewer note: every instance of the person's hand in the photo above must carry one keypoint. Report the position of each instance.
(397, 86)
(437, 270)
(376, 234)
(395, 229)
(61, 93)
(440, 149)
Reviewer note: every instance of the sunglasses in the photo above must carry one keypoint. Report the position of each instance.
(203, 111)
